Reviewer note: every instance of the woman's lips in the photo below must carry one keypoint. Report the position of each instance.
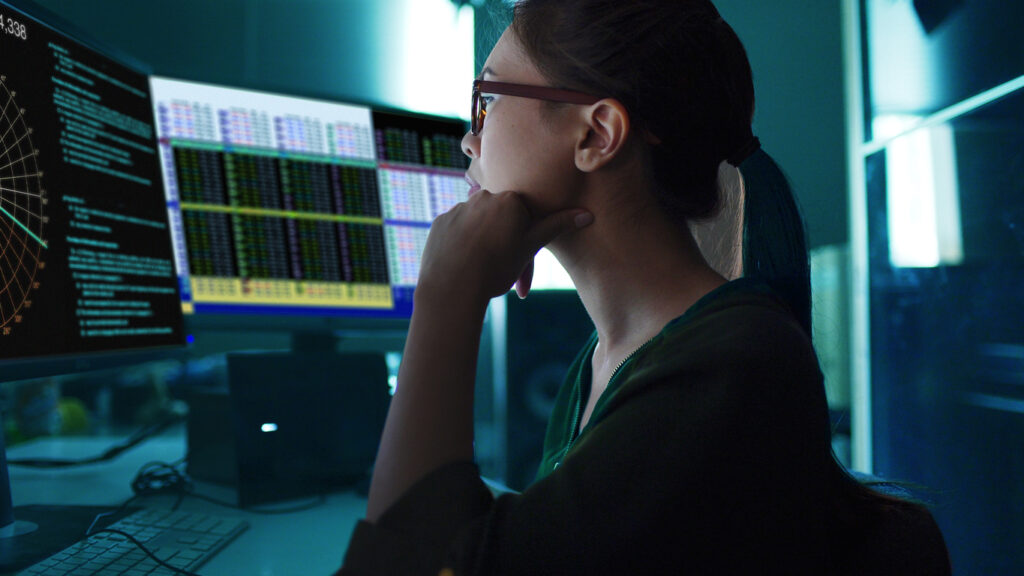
(473, 186)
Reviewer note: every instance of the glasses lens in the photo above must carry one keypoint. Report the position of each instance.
(472, 114)
(477, 113)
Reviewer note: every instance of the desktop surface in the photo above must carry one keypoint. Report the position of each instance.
(306, 543)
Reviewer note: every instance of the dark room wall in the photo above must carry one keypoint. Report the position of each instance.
(320, 48)
(795, 49)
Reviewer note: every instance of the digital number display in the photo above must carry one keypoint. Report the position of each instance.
(12, 27)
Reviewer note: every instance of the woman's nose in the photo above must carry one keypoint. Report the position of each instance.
(470, 145)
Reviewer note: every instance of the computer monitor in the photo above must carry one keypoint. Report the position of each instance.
(87, 275)
(296, 213)
(86, 267)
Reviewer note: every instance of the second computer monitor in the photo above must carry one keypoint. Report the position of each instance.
(296, 207)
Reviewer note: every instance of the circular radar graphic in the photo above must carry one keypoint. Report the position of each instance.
(22, 213)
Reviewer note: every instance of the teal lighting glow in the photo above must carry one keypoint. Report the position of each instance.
(922, 194)
(429, 56)
(881, 139)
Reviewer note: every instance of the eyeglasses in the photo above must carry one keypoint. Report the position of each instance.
(479, 110)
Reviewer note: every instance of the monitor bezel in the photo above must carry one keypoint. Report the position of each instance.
(34, 367)
(60, 25)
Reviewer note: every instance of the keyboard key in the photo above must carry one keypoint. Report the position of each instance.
(189, 554)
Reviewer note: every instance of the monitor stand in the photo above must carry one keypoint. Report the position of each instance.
(380, 340)
(29, 534)
(323, 342)
(10, 526)
(54, 529)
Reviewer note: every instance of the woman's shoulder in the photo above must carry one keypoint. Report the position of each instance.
(738, 350)
(747, 296)
(739, 340)
(742, 319)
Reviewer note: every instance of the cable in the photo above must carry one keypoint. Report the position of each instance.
(163, 478)
(147, 551)
(156, 478)
(113, 512)
(320, 500)
(109, 454)
(159, 477)
(90, 531)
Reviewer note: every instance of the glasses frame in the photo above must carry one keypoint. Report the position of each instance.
(478, 110)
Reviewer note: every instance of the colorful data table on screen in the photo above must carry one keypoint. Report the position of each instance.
(302, 205)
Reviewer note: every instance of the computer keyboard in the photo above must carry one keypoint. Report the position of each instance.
(185, 540)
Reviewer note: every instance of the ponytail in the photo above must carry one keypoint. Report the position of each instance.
(774, 240)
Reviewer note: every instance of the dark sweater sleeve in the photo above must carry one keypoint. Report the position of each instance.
(414, 534)
(664, 485)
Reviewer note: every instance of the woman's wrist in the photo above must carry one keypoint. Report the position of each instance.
(449, 296)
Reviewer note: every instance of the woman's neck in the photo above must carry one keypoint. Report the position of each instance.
(633, 279)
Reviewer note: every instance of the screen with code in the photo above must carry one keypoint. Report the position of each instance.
(293, 206)
(86, 261)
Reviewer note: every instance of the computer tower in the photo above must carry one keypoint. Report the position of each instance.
(290, 424)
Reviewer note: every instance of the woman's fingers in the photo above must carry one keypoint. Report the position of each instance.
(542, 233)
(490, 240)
(525, 280)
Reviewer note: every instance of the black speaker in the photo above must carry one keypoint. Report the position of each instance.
(545, 333)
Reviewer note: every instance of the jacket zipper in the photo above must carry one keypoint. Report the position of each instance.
(579, 398)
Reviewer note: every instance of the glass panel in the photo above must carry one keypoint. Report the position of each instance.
(947, 351)
(926, 55)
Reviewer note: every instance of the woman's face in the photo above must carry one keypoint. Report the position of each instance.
(523, 147)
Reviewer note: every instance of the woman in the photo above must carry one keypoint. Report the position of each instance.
(691, 434)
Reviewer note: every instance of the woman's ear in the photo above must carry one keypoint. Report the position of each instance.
(607, 124)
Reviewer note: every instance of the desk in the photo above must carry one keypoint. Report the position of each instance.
(307, 543)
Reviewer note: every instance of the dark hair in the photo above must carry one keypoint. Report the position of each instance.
(684, 77)
(677, 67)
(774, 241)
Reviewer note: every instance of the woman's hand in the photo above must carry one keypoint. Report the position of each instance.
(474, 252)
(479, 248)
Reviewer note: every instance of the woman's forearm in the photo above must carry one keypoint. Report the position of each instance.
(474, 252)
(430, 422)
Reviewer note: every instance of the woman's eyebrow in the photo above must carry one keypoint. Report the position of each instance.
(487, 70)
